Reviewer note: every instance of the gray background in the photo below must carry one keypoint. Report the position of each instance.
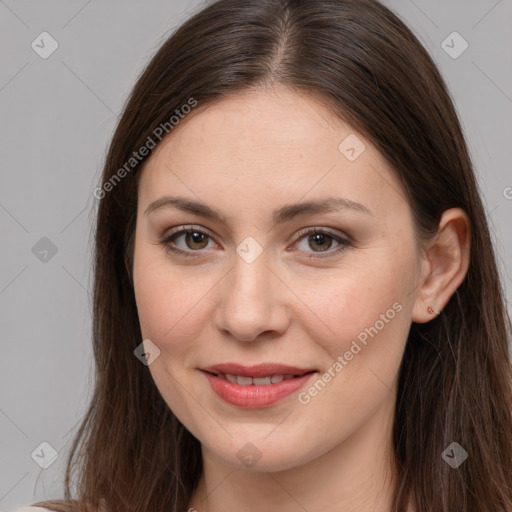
(57, 115)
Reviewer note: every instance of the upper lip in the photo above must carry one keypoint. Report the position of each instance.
(257, 370)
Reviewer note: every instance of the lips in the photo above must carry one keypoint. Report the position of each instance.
(261, 385)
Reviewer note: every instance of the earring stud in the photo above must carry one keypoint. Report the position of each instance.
(431, 310)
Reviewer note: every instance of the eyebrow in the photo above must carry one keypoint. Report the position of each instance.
(280, 216)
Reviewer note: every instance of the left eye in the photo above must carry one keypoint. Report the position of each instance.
(318, 241)
(321, 241)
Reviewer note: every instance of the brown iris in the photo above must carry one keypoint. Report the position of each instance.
(194, 240)
(321, 241)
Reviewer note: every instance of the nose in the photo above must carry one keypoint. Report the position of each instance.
(251, 302)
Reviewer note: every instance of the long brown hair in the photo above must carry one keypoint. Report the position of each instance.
(131, 453)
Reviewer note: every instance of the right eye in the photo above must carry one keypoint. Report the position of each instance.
(194, 240)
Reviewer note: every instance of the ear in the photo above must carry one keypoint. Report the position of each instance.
(445, 265)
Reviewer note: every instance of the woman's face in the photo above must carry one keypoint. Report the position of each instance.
(278, 276)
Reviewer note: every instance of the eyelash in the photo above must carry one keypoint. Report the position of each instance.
(344, 243)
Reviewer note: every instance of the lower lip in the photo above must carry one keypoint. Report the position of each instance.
(253, 396)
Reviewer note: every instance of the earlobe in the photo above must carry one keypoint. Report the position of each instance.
(447, 261)
(432, 311)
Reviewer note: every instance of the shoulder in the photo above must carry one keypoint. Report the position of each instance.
(32, 509)
(57, 506)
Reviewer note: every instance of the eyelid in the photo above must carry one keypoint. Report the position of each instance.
(188, 227)
(184, 229)
(321, 229)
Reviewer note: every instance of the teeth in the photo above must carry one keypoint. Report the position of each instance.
(261, 381)
(243, 381)
(231, 378)
(257, 381)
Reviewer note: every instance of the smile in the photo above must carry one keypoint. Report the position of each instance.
(263, 388)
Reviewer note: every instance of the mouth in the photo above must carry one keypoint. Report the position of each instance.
(256, 386)
(245, 380)
(276, 371)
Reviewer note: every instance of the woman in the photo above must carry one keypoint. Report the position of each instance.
(296, 302)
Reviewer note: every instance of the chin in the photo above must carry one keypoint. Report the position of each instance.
(260, 454)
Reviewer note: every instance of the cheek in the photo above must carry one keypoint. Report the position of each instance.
(364, 322)
(170, 313)
(169, 307)
(360, 302)
(172, 302)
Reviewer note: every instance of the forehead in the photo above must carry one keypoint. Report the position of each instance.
(262, 140)
(257, 120)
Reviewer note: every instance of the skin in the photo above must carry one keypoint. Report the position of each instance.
(245, 156)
